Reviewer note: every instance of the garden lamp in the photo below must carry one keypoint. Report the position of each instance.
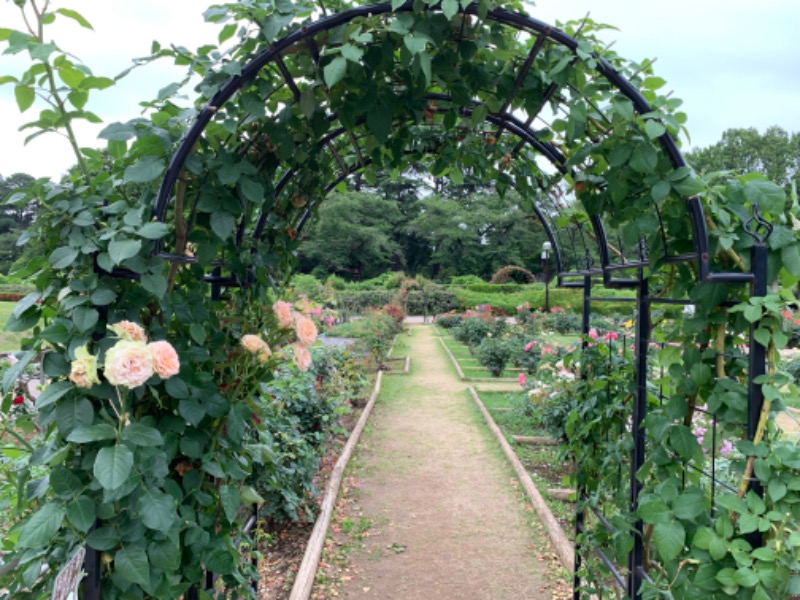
(546, 247)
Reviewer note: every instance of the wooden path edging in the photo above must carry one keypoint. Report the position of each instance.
(453, 359)
(563, 547)
(304, 581)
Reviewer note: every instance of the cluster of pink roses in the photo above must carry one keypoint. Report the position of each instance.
(128, 363)
(607, 337)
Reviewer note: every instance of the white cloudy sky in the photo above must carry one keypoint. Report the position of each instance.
(736, 63)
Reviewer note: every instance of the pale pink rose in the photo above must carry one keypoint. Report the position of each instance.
(283, 312)
(83, 370)
(127, 330)
(129, 364)
(593, 334)
(522, 379)
(165, 359)
(306, 330)
(302, 357)
(529, 345)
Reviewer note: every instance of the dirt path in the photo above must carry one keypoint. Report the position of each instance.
(445, 517)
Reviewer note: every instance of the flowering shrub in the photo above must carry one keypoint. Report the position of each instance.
(494, 353)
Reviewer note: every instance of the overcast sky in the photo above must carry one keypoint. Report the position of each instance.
(735, 63)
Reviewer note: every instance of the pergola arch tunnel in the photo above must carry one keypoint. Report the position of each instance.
(585, 139)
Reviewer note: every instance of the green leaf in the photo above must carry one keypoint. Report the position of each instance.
(222, 224)
(229, 496)
(718, 548)
(251, 190)
(668, 539)
(379, 121)
(197, 333)
(177, 388)
(790, 256)
(71, 76)
(689, 504)
(53, 393)
(449, 8)
(12, 374)
(131, 563)
(227, 32)
(42, 527)
(654, 511)
(644, 159)
(654, 129)
(153, 231)
(777, 489)
(683, 441)
(654, 83)
(103, 538)
(157, 510)
(25, 96)
(250, 496)
(62, 257)
(770, 197)
(92, 433)
(120, 250)
(155, 284)
(85, 318)
(191, 410)
(334, 71)
(103, 297)
(75, 16)
(415, 42)
(660, 190)
(118, 132)
(745, 577)
(81, 513)
(144, 170)
(73, 413)
(113, 466)
(352, 53)
(142, 435)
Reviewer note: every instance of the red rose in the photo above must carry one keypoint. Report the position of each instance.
(19, 400)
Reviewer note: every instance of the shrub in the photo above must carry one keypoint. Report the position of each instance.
(431, 300)
(563, 321)
(449, 321)
(494, 353)
(472, 331)
(466, 280)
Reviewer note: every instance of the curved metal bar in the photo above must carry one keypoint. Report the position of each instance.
(499, 15)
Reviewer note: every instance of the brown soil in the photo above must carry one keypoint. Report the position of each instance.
(432, 510)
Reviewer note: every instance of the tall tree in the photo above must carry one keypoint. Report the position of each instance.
(775, 154)
(352, 236)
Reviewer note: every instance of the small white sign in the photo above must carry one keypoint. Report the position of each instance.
(68, 580)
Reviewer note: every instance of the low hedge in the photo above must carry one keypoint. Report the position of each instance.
(433, 300)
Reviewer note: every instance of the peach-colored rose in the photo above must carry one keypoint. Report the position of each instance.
(255, 345)
(127, 330)
(306, 330)
(283, 312)
(165, 359)
(129, 364)
(302, 357)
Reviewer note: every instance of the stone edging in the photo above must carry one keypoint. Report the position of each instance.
(304, 581)
(563, 547)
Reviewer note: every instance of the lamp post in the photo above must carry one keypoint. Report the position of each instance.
(546, 247)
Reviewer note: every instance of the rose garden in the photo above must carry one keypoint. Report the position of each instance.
(181, 404)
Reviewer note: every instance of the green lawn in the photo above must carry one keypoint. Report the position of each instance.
(9, 342)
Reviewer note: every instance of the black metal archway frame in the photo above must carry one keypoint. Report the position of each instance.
(622, 271)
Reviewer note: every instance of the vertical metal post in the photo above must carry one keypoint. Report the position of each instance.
(758, 360)
(216, 288)
(91, 583)
(587, 307)
(636, 556)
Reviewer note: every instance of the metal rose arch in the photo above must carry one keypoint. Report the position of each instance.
(582, 135)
